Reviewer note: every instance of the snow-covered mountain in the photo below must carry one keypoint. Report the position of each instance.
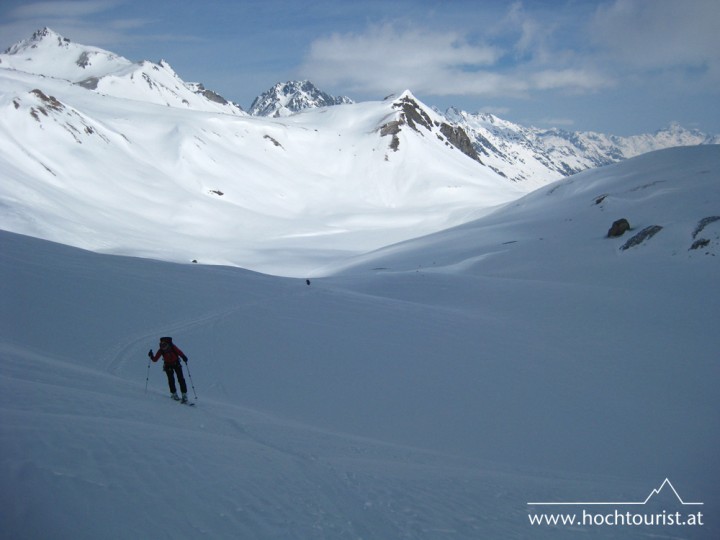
(430, 390)
(130, 177)
(528, 155)
(121, 157)
(559, 228)
(539, 156)
(290, 97)
(49, 54)
(136, 177)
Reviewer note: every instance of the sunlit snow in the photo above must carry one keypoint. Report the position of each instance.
(424, 389)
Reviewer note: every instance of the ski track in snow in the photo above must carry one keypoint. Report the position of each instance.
(90, 455)
(81, 445)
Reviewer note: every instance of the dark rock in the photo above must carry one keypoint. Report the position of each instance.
(639, 238)
(459, 139)
(701, 243)
(704, 222)
(618, 228)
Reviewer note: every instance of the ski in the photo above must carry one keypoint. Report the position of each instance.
(188, 402)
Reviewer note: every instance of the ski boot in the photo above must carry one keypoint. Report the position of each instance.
(175, 396)
(184, 398)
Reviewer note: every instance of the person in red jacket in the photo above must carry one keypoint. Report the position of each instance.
(171, 354)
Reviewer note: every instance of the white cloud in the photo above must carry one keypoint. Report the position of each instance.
(74, 19)
(90, 22)
(532, 35)
(389, 58)
(574, 49)
(63, 9)
(574, 80)
(659, 34)
(556, 122)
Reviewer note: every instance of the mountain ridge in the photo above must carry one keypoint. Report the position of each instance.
(541, 155)
(519, 153)
(241, 190)
(284, 99)
(96, 131)
(48, 53)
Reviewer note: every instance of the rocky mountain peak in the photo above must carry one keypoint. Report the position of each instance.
(42, 36)
(49, 54)
(290, 97)
(417, 116)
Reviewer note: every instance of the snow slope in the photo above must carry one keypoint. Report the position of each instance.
(536, 157)
(130, 177)
(120, 157)
(431, 390)
(576, 301)
(124, 157)
(48, 54)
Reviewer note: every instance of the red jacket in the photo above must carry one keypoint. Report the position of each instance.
(171, 355)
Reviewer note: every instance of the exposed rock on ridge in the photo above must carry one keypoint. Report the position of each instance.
(291, 97)
(49, 54)
(415, 116)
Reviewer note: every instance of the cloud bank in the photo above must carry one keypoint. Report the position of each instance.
(522, 52)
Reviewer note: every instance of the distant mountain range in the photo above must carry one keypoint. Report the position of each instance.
(291, 97)
(521, 154)
(518, 153)
(541, 155)
(92, 144)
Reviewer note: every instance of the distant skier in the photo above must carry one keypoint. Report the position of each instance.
(171, 356)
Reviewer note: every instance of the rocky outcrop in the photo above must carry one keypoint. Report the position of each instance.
(290, 97)
(618, 228)
(639, 238)
(413, 115)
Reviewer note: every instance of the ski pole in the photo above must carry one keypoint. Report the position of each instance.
(147, 378)
(190, 377)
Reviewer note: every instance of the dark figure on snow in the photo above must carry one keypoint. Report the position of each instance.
(171, 357)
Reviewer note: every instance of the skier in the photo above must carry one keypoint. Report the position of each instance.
(171, 356)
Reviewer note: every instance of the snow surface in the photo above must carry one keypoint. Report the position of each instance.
(428, 390)
(48, 54)
(124, 157)
(536, 157)
(130, 177)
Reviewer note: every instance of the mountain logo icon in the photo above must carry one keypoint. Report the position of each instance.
(666, 485)
(655, 492)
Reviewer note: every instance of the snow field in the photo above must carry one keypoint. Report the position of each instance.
(130, 177)
(87, 453)
(430, 390)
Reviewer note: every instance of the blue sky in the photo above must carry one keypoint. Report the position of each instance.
(614, 66)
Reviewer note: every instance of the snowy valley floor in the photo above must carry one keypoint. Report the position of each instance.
(86, 453)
